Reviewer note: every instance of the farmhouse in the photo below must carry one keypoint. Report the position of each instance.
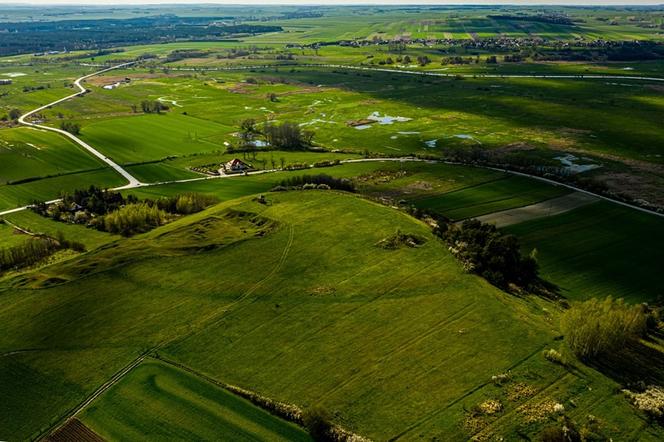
(5, 81)
(236, 166)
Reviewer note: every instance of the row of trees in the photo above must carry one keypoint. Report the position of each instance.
(110, 211)
(34, 250)
(26, 254)
(316, 180)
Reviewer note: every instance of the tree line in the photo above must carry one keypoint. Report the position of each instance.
(34, 250)
(110, 211)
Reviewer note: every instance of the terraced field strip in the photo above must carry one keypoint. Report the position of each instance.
(170, 402)
(555, 206)
(98, 392)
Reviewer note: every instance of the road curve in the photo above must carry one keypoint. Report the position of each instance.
(132, 182)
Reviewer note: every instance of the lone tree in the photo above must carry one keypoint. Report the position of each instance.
(71, 127)
(14, 114)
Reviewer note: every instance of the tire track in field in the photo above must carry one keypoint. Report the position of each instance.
(468, 393)
(362, 306)
(459, 314)
(219, 314)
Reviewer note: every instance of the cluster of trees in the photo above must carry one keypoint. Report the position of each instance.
(28, 253)
(152, 107)
(93, 200)
(298, 182)
(110, 211)
(71, 127)
(597, 327)
(132, 219)
(35, 249)
(287, 136)
(284, 136)
(497, 257)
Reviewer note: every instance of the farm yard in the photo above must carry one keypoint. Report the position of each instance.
(332, 223)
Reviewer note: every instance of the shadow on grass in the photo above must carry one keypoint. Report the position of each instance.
(636, 363)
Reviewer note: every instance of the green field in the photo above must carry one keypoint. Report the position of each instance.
(599, 250)
(160, 402)
(29, 153)
(310, 312)
(293, 296)
(16, 195)
(502, 194)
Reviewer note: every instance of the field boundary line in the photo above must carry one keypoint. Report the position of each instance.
(98, 392)
(428, 73)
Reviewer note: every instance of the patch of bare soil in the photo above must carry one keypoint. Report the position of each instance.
(360, 122)
(519, 146)
(74, 431)
(656, 87)
(420, 185)
(543, 209)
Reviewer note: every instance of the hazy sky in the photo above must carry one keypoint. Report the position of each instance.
(313, 2)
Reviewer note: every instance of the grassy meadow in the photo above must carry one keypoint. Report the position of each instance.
(27, 153)
(390, 341)
(295, 297)
(598, 250)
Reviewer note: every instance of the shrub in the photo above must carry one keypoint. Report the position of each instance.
(554, 356)
(71, 127)
(595, 327)
(651, 400)
(317, 421)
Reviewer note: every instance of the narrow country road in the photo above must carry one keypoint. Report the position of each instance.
(132, 182)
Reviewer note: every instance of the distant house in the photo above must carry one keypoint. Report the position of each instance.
(5, 81)
(236, 166)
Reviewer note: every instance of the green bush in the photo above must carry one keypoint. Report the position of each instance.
(597, 327)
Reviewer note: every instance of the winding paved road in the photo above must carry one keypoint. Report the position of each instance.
(132, 182)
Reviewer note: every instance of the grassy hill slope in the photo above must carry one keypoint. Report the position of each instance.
(297, 301)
